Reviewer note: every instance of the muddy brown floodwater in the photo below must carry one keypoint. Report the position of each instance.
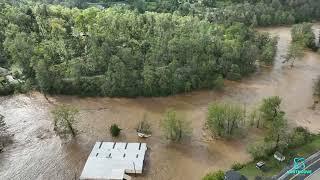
(37, 153)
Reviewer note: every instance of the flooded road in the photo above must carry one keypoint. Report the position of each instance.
(37, 153)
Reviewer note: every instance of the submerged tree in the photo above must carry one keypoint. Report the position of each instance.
(175, 128)
(225, 119)
(316, 93)
(302, 37)
(316, 88)
(64, 119)
(144, 126)
(274, 120)
(303, 34)
(295, 52)
(270, 108)
(255, 118)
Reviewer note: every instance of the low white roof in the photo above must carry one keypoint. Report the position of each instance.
(111, 160)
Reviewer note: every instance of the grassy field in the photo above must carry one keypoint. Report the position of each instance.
(274, 166)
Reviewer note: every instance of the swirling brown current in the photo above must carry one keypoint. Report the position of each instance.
(37, 153)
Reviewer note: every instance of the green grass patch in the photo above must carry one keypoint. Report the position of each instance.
(274, 166)
(308, 148)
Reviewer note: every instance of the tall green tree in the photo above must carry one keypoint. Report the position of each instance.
(20, 48)
(274, 120)
(225, 119)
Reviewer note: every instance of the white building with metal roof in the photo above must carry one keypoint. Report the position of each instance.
(112, 160)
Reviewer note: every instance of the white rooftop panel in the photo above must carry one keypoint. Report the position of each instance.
(109, 160)
(120, 146)
(133, 146)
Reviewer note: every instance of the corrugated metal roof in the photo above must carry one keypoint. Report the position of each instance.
(111, 160)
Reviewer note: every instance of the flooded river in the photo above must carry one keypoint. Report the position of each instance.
(37, 153)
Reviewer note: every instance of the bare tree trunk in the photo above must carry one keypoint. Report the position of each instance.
(45, 96)
(228, 127)
(258, 122)
(71, 129)
(232, 126)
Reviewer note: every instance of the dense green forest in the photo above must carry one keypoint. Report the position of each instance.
(118, 52)
(250, 12)
(137, 47)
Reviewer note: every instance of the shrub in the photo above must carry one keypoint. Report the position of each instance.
(299, 136)
(5, 88)
(234, 73)
(237, 166)
(268, 53)
(218, 175)
(144, 126)
(115, 130)
(261, 150)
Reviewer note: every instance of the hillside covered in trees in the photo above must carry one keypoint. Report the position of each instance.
(118, 52)
(137, 47)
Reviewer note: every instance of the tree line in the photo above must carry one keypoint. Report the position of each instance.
(119, 52)
(252, 12)
(267, 12)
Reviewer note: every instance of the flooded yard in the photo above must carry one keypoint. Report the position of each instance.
(37, 153)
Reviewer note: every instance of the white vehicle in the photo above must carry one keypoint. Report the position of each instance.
(278, 156)
(260, 164)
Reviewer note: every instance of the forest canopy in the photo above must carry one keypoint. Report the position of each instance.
(249, 12)
(119, 52)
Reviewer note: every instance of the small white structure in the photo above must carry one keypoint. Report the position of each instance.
(278, 156)
(111, 160)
